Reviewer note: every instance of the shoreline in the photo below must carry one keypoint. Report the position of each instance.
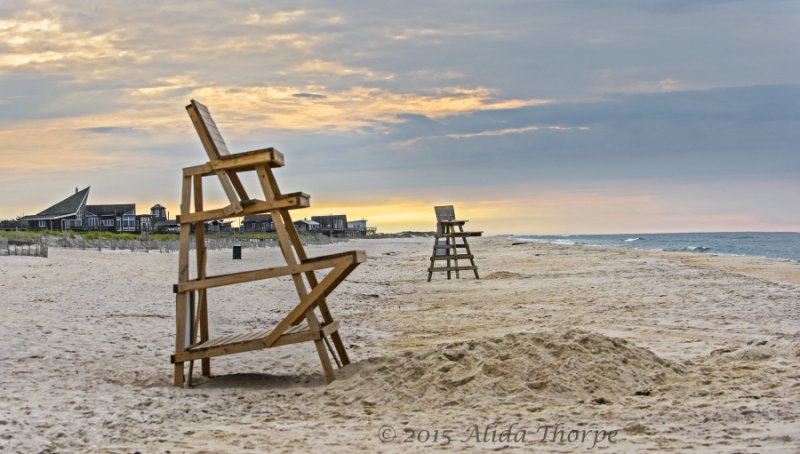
(779, 270)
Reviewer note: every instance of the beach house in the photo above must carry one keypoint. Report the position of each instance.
(73, 213)
(67, 214)
(334, 225)
(258, 223)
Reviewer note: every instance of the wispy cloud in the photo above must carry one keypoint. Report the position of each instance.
(277, 107)
(502, 132)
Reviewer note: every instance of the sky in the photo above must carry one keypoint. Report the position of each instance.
(537, 117)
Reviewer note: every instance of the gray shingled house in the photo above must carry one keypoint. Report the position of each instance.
(67, 214)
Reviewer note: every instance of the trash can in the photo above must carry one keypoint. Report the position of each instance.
(237, 252)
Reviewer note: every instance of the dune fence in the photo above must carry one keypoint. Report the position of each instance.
(33, 244)
(24, 247)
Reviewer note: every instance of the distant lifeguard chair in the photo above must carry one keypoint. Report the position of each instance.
(301, 324)
(446, 224)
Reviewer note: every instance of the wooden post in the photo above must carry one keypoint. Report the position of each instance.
(202, 260)
(182, 299)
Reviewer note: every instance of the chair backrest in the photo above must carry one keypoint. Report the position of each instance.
(445, 213)
(207, 130)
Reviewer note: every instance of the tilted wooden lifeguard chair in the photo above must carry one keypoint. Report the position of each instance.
(301, 324)
(446, 224)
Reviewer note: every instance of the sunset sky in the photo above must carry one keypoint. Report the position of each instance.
(561, 116)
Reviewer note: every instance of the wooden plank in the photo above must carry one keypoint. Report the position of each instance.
(331, 327)
(275, 155)
(220, 350)
(327, 367)
(207, 130)
(249, 276)
(296, 329)
(460, 256)
(257, 207)
(268, 156)
(460, 234)
(202, 260)
(182, 300)
(449, 246)
(451, 268)
(472, 260)
(455, 256)
(316, 263)
(252, 341)
(256, 335)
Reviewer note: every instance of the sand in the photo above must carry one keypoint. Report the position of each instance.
(557, 348)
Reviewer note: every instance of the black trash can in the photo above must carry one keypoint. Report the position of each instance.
(237, 252)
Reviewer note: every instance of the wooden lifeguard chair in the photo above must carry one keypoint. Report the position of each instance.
(302, 323)
(446, 224)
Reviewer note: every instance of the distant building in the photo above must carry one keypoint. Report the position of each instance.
(357, 229)
(166, 226)
(158, 213)
(334, 225)
(67, 214)
(258, 223)
(74, 214)
(113, 218)
(304, 225)
(217, 226)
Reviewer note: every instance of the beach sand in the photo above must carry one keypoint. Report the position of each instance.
(557, 348)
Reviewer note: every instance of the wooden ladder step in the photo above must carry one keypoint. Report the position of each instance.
(453, 257)
(452, 268)
(449, 246)
(458, 234)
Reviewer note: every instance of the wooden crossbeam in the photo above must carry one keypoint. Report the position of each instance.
(316, 263)
(289, 201)
(239, 163)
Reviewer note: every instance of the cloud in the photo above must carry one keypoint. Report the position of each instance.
(309, 95)
(40, 42)
(502, 132)
(277, 18)
(277, 107)
(109, 130)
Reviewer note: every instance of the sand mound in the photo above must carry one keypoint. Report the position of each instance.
(503, 275)
(514, 369)
(787, 346)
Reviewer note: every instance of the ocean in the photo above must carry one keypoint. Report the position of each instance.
(776, 245)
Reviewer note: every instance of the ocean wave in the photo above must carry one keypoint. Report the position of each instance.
(630, 240)
(689, 249)
(565, 242)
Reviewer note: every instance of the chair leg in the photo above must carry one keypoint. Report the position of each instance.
(178, 375)
(337, 342)
(327, 367)
(433, 257)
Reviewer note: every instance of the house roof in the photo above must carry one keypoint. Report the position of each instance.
(307, 222)
(67, 207)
